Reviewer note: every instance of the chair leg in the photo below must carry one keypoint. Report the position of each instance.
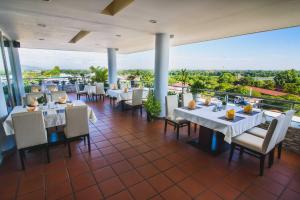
(21, 154)
(195, 127)
(189, 128)
(141, 110)
(271, 158)
(177, 131)
(262, 165)
(166, 123)
(241, 151)
(279, 148)
(47, 153)
(84, 140)
(231, 152)
(69, 149)
(89, 143)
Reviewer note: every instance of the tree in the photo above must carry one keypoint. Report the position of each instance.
(269, 84)
(227, 78)
(53, 72)
(288, 76)
(292, 88)
(100, 74)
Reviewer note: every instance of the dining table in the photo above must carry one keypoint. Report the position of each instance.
(121, 95)
(215, 129)
(54, 115)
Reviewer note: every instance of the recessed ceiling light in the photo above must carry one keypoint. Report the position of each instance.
(47, 0)
(41, 39)
(118, 35)
(42, 25)
(152, 21)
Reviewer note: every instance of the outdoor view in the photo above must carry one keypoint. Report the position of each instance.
(260, 65)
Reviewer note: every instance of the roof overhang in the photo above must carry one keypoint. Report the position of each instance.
(51, 25)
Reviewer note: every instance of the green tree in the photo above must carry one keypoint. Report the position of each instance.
(227, 78)
(288, 76)
(100, 74)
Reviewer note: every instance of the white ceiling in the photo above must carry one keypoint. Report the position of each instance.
(189, 20)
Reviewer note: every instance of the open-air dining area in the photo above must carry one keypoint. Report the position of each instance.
(103, 137)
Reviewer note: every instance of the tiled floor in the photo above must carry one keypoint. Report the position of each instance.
(133, 159)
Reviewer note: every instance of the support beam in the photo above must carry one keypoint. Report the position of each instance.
(112, 65)
(162, 45)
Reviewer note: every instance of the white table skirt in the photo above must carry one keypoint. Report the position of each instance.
(90, 89)
(54, 117)
(120, 95)
(209, 119)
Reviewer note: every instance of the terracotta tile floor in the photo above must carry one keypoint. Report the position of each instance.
(133, 159)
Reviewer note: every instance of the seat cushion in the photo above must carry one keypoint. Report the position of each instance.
(178, 120)
(259, 132)
(249, 141)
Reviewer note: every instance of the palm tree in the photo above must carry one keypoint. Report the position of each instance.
(100, 74)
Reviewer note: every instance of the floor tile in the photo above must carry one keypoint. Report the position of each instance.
(208, 195)
(130, 178)
(191, 187)
(148, 170)
(111, 186)
(142, 191)
(121, 196)
(91, 193)
(162, 164)
(82, 181)
(121, 167)
(175, 193)
(160, 182)
(59, 190)
(36, 195)
(104, 173)
(138, 161)
(225, 191)
(175, 174)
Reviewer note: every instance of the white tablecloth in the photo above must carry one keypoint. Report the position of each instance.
(120, 95)
(54, 117)
(209, 119)
(90, 89)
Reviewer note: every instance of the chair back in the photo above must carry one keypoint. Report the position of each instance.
(286, 123)
(29, 129)
(100, 88)
(76, 121)
(52, 88)
(186, 98)
(273, 133)
(77, 88)
(171, 105)
(30, 97)
(35, 88)
(137, 96)
(58, 94)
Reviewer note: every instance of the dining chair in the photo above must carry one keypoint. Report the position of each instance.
(257, 146)
(79, 92)
(35, 88)
(186, 98)
(260, 132)
(30, 132)
(58, 94)
(99, 91)
(176, 122)
(30, 97)
(52, 88)
(77, 125)
(137, 100)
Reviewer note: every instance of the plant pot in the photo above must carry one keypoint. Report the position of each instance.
(149, 117)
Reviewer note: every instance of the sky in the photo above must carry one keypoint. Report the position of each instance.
(279, 49)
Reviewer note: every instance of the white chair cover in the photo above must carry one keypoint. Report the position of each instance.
(58, 94)
(286, 123)
(30, 97)
(76, 121)
(171, 105)
(100, 88)
(52, 88)
(186, 98)
(137, 96)
(35, 88)
(29, 129)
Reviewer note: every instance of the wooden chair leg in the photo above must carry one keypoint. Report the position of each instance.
(271, 158)
(69, 149)
(47, 153)
(21, 154)
(166, 123)
(231, 152)
(141, 110)
(262, 165)
(84, 140)
(189, 128)
(279, 148)
(89, 143)
(195, 127)
(177, 131)
(241, 151)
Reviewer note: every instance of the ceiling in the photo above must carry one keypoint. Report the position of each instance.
(189, 20)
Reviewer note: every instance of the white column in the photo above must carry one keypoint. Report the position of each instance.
(162, 45)
(112, 65)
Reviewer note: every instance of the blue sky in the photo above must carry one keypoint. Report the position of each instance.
(267, 50)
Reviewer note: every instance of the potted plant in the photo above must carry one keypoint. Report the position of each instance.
(152, 107)
(198, 84)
